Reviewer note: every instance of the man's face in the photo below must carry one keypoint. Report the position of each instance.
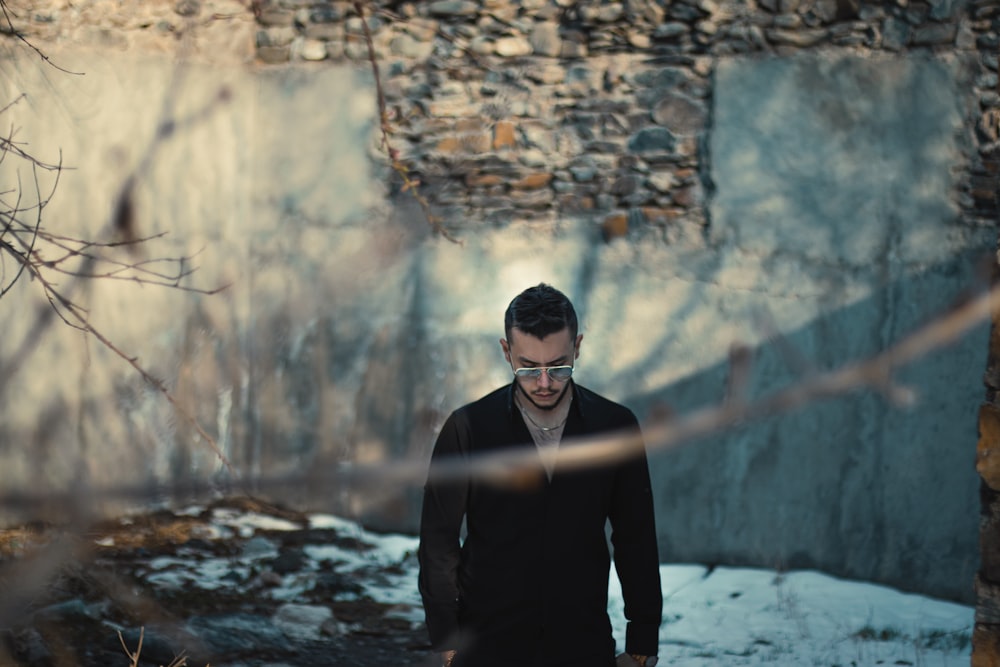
(526, 351)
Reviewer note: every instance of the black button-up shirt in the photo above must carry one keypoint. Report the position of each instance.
(530, 581)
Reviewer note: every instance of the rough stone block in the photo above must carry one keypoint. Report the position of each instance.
(533, 181)
(504, 135)
(477, 180)
(464, 143)
(511, 47)
(988, 447)
(986, 645)
(615, 226)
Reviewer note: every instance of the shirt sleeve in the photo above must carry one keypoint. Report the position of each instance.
(439, 552)
(633, 535)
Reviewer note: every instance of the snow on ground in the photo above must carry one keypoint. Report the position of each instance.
(719, 617)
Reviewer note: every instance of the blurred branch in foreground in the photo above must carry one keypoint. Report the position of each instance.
(661, 433)
(27, 578)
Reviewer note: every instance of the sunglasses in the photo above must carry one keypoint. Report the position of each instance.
(555, 373)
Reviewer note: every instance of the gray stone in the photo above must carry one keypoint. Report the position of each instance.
(787, 21)
(895, 34)
(685, 13)
(662, 181)
(482, 46)
(825, 10)
(798, 38)
(273, 54)
(608, 13)
(545, 40)
(605, 202)
(453, 8)
(546, 72)
(234, 634)
(356, 49)
(301, 622)
(663, 77)
(583, 172)
(647, 11)
(638, 39)
(328, 13)
(625, 185)
(670, 30)
(934, 34)
(533, 158)
(324, 31)
(532, 198)
(942, 9)
(159, 645)
(187, 7)
(276, 17)
(680, 115)
(652, 140)
(574, 49)
(409, 47)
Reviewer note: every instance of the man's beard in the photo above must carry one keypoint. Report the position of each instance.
(546, 408)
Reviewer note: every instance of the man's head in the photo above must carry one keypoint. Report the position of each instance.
(539, 311)
(541, 328)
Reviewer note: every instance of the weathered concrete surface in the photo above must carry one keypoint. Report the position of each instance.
(348, 332)
(833, 181)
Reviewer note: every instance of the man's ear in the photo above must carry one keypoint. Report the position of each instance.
(576, 346)
(506, 349)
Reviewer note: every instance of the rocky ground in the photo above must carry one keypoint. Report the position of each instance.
(236, 583)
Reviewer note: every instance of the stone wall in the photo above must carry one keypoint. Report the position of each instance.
(541, 109)
(809, 176)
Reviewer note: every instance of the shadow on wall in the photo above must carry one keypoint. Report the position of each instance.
(854, 486)
(347, 337)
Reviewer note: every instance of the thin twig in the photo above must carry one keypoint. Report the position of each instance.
(20, 36)
(409, 184)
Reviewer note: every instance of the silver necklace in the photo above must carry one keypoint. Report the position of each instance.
(544, 429)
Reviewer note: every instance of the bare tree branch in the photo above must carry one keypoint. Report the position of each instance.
(7, 26)
(409, 184)
(520, 468)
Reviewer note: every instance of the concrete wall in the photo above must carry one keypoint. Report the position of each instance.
(832, 199)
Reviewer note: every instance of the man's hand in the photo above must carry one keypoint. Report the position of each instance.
(446, 658)
(626, 660)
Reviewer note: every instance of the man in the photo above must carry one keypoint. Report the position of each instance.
(529, 584)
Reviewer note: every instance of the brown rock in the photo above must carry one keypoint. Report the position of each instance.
(536, 199)
(660, 216)
(483, 180)
(680, 114)
(985, 646)
(504, 135)
(988, 447)
(533, 181)
(614, 226)
(464, 143)
(273, 54)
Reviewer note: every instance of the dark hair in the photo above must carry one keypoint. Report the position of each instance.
(539, 311)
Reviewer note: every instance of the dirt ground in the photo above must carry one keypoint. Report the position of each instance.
(66, 595)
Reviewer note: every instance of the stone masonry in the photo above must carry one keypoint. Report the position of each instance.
(549, 108)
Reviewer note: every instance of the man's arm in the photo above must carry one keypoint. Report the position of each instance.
(440, 549)
(636, 557)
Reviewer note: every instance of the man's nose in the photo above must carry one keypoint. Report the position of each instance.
(544, 379)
